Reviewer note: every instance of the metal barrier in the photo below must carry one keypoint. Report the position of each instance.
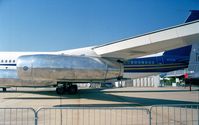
(93, 116)
(183, 114)
(17, 116)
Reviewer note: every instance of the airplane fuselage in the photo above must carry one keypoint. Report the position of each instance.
(163, 62)
(58, 66)
(51, 67)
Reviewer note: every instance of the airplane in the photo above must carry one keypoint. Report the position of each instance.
(162, 62)
(91, 64)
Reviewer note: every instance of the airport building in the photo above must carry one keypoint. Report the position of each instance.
(156, 80)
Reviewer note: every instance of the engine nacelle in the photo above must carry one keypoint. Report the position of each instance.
(67, 68)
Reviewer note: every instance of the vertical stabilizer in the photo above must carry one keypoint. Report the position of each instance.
(193, 16)
(184, 51)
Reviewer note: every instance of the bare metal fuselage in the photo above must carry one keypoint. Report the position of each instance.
(67, 68)
(9, 78)
(45, 70)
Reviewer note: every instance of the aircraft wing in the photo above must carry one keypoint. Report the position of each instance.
(150, 43)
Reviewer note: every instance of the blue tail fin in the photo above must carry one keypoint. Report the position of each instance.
(184, 51)
(193, 16)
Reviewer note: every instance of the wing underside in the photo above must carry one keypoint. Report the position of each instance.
(151, 43)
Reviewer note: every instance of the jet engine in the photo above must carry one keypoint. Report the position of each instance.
(67, 68)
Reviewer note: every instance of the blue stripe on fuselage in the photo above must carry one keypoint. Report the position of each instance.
(8, 64)
(153, 68)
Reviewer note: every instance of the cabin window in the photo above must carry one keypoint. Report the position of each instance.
(150, 62)
(9, 61)
(13, 61)
(6, 61)
(142, 62)
(135, 62)
(1, 61)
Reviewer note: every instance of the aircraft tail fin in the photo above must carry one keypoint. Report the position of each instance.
(184, 51)
(193, 16)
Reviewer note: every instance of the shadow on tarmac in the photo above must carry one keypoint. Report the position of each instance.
(100, 95)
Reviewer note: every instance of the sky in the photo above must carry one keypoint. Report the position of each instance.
(53, 25)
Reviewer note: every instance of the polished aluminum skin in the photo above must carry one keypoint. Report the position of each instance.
(8, 73)
(8, 78)
(67, 68)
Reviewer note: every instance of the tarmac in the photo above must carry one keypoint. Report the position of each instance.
(91, 97)
(115, 106)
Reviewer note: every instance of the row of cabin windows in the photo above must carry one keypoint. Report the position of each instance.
(8, 61)
(140, 62)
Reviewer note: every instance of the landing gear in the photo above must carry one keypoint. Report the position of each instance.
(60, 90)
(4, 89)
(63, 87)
(72, 89)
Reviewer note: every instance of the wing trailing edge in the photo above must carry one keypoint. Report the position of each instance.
(158, 41)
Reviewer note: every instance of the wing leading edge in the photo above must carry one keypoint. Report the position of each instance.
(158, 41)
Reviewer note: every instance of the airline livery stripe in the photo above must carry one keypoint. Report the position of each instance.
(8, 64)
(174, 66)
(153, 65)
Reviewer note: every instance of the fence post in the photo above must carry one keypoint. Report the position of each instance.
(36, 117)
(150, 117)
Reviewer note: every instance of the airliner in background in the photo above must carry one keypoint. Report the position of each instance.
(100, 63)
(167, 61)
(162, 62)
